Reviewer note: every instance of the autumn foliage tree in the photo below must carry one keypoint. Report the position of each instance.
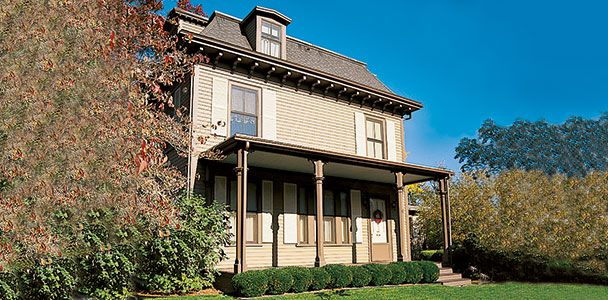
(83, 96)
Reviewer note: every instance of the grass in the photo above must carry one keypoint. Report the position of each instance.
(487, 291)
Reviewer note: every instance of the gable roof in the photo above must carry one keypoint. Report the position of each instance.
(224, 27)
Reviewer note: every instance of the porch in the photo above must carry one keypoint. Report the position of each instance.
(286, 198)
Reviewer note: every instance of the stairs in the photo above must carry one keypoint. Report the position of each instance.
(448, 278)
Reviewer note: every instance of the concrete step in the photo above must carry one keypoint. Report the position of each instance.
(445, 271)
(457, 282)
(448, 277)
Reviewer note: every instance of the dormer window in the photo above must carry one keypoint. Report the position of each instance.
(271, 39)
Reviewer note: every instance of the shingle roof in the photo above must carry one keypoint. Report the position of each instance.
(227, 29)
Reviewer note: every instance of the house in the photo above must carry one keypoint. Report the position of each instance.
(313, 164)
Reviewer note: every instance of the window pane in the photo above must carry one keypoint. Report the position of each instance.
(233, 195)
(265, 28)
(250, 102)
(250, 225)
(343, 204)
(275, 49)
(243, 124)
(302, 201)
(265, 46)
(377, 131)
(328, 203)
(252, 203)
(275, 31)
(345, 230)
(370, 149)
(328, 229)
(303, 228)
(378, 150)
(370, 129)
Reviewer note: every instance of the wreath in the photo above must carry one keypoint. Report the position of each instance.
(377, 215)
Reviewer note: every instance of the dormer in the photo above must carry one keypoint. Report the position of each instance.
(266, 31)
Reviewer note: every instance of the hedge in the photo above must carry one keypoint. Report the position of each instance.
(299, 279)
(431, 255)
(341, 276)
(280, 281)
(361, 276)
(302, 278)
(320, 279)
(251, 283)
(381, 274)
(430, 271)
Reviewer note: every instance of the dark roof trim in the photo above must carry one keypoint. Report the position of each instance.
(254, 143)
(196, 18)
(239, 51)
(263, 11)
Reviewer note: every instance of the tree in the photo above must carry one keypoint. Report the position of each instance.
(83, 95)
(574, 148)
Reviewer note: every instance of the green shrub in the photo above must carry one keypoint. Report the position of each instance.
(50, 281)
(302, 279)
(251, 283)
(431, 255)
(280, 281)
(361, 276)
(397, 272)
(184, 260)
(381, 274)
(6, 291)
(430, 271)
(340, 276)
(413, 272)
(105, 275)
(320, 279)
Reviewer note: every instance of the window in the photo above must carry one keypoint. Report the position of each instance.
(244, 111)
(336, 217)
(181, 99)
(251, 220)
(375, 138)
(306, 216)
(271, 39)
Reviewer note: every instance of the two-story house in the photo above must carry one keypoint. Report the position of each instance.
(313, 164)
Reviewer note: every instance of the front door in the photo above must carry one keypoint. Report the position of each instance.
(380, 241)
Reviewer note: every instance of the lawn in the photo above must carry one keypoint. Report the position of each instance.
(488, 291)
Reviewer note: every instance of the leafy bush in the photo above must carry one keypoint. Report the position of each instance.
(381, 274)
(49, 281)
(302, 279)
(340, 275)
(470, 258)
(397, 271)
(320, 279)
(251, 283)
(431, 255)
(280, 281)
(430, 271)
(106, 275)
(6, 291)
(361, 276)
(182, 260)
(413, 272)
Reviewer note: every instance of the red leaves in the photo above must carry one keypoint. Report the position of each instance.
(185, 4)
(112, 43)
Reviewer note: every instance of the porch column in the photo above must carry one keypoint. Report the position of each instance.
(445, 218)
(404, 226)
(320, 257)
(241, 209)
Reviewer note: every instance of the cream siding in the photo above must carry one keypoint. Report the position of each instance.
(189, 27)
(301, 119)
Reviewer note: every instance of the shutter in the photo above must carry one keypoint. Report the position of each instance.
(269, 114)
(355, 210)
(220, 193)
(290, 217)
(391, 145)
(360, 134)
(267, 211)
(219, 105)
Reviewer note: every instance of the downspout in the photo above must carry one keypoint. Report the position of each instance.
(191, 134)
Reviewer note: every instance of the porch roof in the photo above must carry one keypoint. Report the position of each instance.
(296, 158)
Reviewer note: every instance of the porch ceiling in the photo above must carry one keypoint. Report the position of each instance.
(286, 157)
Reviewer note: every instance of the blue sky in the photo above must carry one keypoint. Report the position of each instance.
(465, 60)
